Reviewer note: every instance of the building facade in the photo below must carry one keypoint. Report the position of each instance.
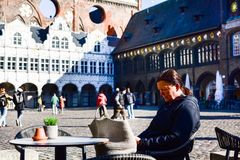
(197, 38)
(67, 51)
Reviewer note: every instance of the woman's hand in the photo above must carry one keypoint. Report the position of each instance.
(138, 140)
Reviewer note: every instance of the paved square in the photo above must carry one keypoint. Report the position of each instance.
(75, 121)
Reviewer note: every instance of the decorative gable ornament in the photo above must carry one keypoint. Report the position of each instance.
(25, 10)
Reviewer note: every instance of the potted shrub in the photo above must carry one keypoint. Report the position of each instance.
(51, 127)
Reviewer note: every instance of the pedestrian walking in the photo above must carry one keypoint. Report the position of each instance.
(130, 100)
(61, 103)
(4, 101)
(119, 107)
(40, 104)
(54, 103)
(19, 101)
(102, 103)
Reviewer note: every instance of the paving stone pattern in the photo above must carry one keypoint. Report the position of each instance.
(75, 121)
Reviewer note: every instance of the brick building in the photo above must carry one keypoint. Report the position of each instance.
(197, 38)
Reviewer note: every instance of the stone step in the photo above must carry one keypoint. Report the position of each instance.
(13, 154)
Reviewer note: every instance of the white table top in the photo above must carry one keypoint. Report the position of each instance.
(60, 141)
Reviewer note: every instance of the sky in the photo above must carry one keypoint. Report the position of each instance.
(48, 9)
(149, 3)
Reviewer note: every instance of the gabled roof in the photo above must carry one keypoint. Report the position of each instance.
(39, 34)
(171, 19)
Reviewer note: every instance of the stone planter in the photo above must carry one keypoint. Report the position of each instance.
(51, 131)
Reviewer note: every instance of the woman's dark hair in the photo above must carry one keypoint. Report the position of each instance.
(171, 76)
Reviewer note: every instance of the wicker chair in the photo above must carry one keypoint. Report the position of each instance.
(176, 153)
(131, 156)
(29, 133)
(229, 142)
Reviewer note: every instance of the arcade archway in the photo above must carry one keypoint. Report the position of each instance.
(30, 93)
(70, 92)
(88, 95)
(47, 92)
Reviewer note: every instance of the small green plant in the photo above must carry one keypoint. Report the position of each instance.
(50, 121)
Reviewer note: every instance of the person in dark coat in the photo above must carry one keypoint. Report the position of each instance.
(4, 103)
(119, 106)
(176, 120)
(19, 101)
(130, 100)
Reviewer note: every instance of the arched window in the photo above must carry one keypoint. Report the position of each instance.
(169, 59)
(127, 66)
(153, 62)
(17, 39)
(55, 42)
(139, 64)
(64, 43)
(185, 57)
(208, 53)
(97, 46)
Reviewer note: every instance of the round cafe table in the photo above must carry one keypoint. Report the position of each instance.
(60, 144)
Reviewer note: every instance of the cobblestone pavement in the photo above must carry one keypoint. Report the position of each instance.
(75, 121)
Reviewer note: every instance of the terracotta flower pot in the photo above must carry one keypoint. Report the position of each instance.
(39, 134)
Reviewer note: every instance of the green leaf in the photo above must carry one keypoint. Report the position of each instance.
(50, 121)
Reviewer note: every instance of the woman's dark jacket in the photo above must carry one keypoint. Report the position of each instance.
(173, 125)
(18, 100)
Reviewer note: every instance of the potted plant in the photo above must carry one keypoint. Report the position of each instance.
(51, 127)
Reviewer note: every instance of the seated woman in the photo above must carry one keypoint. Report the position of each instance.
(176, 120)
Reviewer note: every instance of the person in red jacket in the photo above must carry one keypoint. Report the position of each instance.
(102, 103)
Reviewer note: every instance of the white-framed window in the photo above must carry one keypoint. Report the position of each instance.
(17, 39)
(22, 64)
(65, 65)
(97, 46)
(101, 67)
(153, 62)
(74, 66)
(45, 65)
(55, 42)
(186, 57)
(64, 43)
(1, 62)
(55, 65)
(93, 67)
(11, 63)
(33, 64)
(110, 68)
(84, 67)
(208, 53)
(236, 44)
(169, 59)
